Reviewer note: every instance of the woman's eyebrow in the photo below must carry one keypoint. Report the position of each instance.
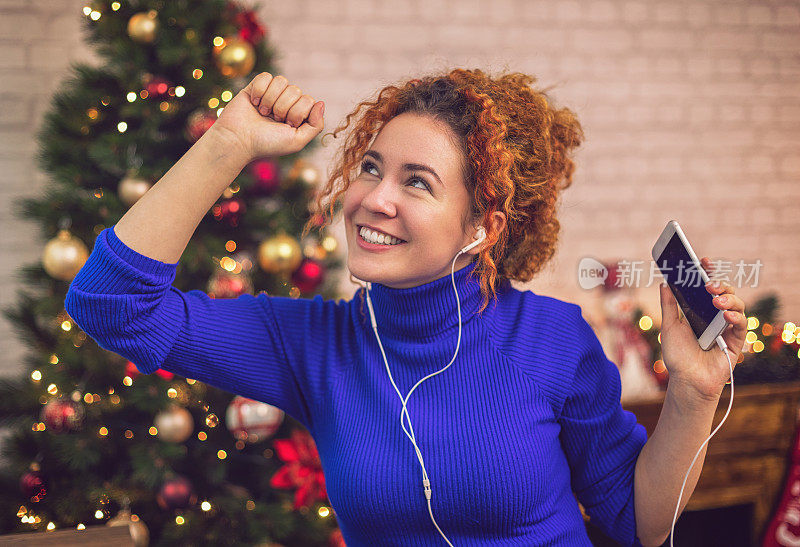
(407, 166)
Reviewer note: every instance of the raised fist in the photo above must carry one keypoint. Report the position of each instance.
(270, 117)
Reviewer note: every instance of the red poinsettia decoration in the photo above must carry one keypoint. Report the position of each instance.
(246, 20)
(250, 29)
(303, 469)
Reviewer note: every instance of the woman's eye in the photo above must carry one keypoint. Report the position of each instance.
(366, 165)
(425, 184)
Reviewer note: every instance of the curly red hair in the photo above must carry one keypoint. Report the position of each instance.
(516, 160)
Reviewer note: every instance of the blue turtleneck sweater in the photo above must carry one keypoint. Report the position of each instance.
(528, 413)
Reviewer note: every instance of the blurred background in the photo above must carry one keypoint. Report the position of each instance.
(690, 110)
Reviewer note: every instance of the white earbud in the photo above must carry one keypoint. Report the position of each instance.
(480, 235)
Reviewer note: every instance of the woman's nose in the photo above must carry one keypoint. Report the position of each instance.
(380, 199)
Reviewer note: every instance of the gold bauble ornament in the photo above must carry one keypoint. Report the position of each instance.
(174, 424)
(234, 57)
(143, 26)
(64, 255)
(280, 253)
(131, 188)
(139, 532)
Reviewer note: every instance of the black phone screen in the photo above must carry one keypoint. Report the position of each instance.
(686, 282)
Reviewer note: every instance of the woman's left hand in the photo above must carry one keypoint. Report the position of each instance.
(704, 372)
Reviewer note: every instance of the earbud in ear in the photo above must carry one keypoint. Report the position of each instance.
(480, 235)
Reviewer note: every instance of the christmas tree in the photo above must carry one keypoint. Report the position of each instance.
(90, 440)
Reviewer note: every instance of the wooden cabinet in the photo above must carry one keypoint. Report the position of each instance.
(747, 459)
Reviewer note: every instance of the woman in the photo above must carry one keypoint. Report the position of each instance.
(528, 413)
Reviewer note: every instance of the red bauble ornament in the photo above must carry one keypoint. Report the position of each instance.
(164, 374)
(176, 493)
(308, 275)
(336, 539)
(133, 372)
(198, 123)
(157, 87)
(224, 284)
(32, 485)
(267, 175)
(610, 283)
(775, 344)
(229, 210)
(60, 415)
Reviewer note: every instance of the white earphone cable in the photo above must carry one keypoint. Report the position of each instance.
(426, 483)
(724, 347)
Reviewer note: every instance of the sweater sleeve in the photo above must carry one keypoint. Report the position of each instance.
(126, 302)
(601, 440)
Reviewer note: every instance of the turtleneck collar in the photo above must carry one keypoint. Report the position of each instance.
(428, 309)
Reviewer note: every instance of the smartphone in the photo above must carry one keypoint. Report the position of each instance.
(687, 280)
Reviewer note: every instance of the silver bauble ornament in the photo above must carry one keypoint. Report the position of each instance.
(131, 188)
(175, 424)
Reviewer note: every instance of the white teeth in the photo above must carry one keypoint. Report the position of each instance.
(377, 237)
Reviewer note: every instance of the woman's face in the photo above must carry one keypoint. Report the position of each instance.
(396, 194)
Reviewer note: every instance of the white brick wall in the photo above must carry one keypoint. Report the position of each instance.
(691, 111)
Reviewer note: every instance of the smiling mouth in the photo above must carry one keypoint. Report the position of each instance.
(396, 240)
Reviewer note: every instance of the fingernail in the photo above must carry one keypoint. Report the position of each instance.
(723, 300)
